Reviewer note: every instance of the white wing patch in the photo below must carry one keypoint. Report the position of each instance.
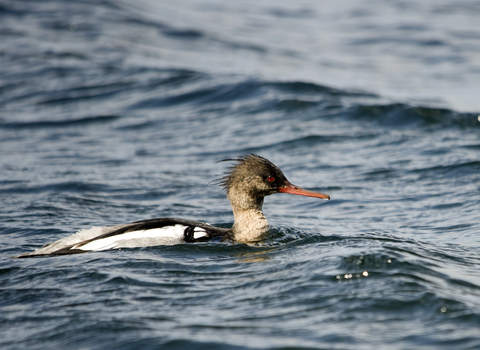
(199, 232)
(142, 238)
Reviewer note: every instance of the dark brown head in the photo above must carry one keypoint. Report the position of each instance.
(254, 177)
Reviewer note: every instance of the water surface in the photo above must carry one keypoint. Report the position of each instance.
(112, 112)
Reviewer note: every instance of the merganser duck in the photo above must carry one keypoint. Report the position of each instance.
(246, 184)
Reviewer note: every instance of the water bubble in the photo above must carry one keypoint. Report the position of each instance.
(389, 261)
(443, 309)
(365, 273)
(338, 277)
(73, 26)
(479, 118)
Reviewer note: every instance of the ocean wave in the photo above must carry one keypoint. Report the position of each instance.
(59, 123)
(404, 115)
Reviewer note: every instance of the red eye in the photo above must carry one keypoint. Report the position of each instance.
(270, 179)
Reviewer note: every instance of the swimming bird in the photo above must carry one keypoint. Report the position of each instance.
(246, 184)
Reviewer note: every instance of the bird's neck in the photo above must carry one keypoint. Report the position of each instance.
(250, 223)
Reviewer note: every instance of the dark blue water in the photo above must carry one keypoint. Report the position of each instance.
(114, 111)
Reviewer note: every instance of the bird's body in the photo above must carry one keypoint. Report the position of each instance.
(246, 184)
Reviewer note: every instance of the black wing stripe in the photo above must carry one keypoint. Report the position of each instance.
(159, 223)
(148, 224)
